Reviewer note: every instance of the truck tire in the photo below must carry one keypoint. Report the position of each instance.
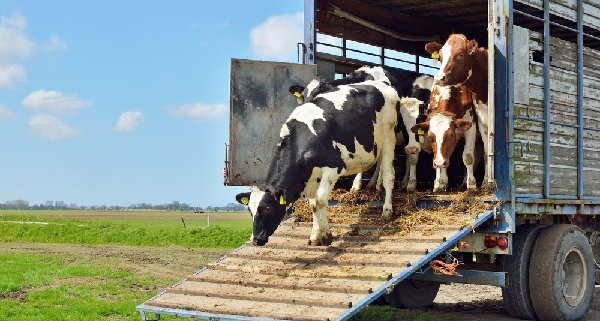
(413, 294)
(561, 275)
(517, 300)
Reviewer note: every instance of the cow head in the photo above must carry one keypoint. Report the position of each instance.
(313, 88)
(441, 128)
(267, 207)
(422, 91)
(457, 58)
(297, 91)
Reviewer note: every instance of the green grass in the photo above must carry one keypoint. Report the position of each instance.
(42, 287)
(126, 228)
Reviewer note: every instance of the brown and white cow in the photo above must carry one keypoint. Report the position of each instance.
(451, 118)
(464, 63)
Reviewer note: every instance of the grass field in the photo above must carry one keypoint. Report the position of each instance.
(99, 265)
(139, 228)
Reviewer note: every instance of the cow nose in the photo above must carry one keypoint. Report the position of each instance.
(259, 242)
(412, 149)
(440, 78)
(440, 164)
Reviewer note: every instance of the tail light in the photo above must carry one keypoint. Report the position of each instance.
(491, 241)
(503, 242)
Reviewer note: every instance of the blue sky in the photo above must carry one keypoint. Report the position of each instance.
(122, 102)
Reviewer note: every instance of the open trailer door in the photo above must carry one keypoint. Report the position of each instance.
(260, 103)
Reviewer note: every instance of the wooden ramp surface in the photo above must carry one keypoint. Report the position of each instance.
(289, 280)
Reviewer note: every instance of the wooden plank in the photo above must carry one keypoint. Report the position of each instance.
(281, 311)
(521, 65)
(334, 256)
(401, 246)
(329, 269)
(567, 9)
(591, 183)
(266, 294)
(276, 281)
(528, 180)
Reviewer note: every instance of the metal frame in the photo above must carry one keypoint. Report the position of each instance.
(548, 203)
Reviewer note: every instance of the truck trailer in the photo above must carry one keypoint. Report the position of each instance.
(539, 241)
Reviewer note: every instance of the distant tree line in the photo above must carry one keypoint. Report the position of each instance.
(61, 205)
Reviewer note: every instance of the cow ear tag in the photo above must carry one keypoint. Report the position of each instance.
(281, 200)
(244, 200)
(436, 57)
(297, 94)
(421, 133)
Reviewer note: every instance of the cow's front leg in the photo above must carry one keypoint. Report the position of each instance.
(468, 157)
(321, 234)
(410, 177)
(387, 173)
(441, 180)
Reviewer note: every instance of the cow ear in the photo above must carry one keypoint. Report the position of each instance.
(243, 198)
(280, 196)
(296, 90)
(420, 128)
(433, 47)
(472, 46)
(463, 125)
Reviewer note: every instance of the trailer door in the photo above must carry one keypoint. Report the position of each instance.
(260, 103)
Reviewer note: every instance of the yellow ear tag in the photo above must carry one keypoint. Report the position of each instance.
(436, 57)
(421, 134)
(244, 200)
(281, 200)
(297, 94)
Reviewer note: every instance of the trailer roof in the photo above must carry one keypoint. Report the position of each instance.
(431, 19)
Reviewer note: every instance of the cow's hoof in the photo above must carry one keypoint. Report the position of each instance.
(324, 241)
(439, 188)
(411, 186)
(387, 214)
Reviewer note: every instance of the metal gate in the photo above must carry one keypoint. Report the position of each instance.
(259, 104)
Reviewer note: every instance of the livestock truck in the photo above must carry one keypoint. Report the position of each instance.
(540, 243)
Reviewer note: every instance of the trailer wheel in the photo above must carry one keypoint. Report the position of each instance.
(517, 300)
(561, 275)
(413, 294)
(594, 238)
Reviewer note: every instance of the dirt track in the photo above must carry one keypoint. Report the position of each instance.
(454, 302)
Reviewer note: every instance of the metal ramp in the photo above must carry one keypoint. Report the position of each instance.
(290, 280)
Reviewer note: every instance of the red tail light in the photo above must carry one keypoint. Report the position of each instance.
(502, 242)
(490, 241)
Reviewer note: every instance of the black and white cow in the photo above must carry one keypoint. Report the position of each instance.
(401, 80)
(341, 132)
(406, 83)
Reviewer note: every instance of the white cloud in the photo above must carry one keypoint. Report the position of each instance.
(5, 113)
(129, 120)
(55, 102)
(15, 46)
(198, 111)
(50, 127)
(277, 37)
(55, 44)
(11, 74)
